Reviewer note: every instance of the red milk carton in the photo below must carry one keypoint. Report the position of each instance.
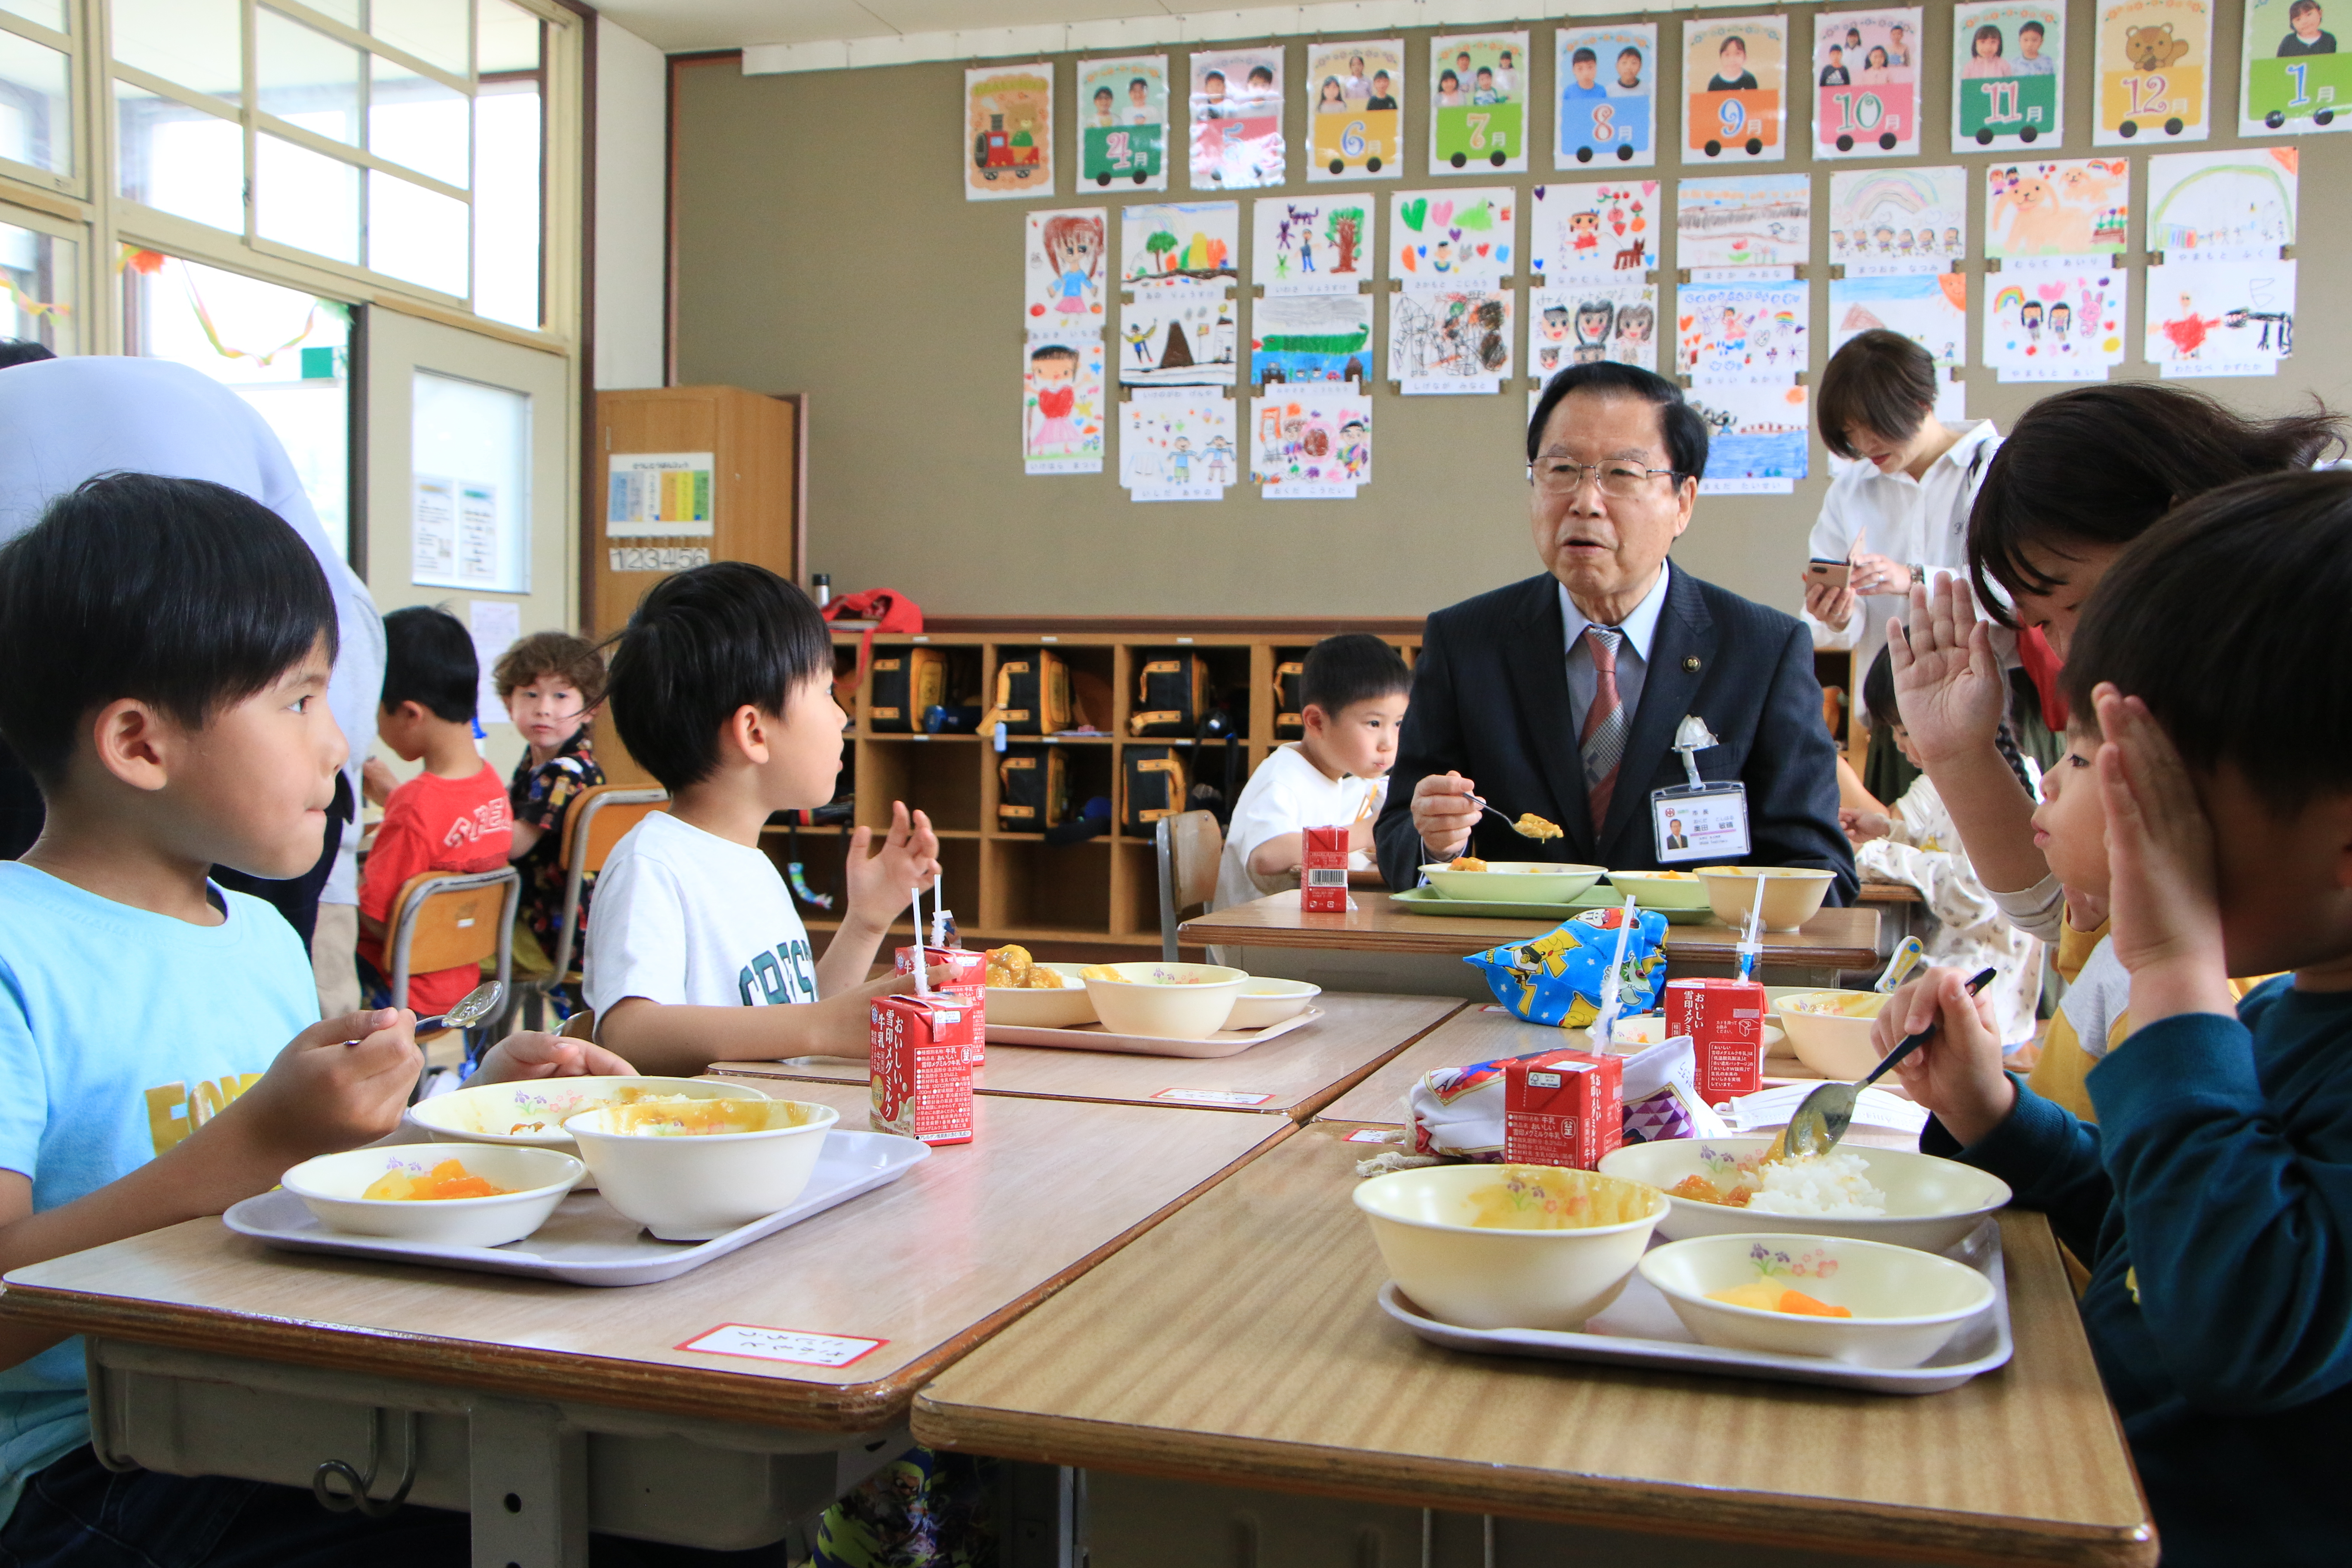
(1562, 1108)
(1323, 871)
(1725, 1019)
(917, 1049)
(966, 981)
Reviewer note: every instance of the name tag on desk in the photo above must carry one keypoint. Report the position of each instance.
(1699, 822)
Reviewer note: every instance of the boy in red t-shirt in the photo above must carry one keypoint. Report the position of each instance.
(453, 816)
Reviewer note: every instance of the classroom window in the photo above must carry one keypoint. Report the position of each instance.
(37, 288)
(507, 179)
(306, 78)
(179, 159)
(194, 44)
(49, 14)
(36, 104)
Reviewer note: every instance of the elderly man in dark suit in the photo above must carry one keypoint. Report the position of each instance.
(1562, 695)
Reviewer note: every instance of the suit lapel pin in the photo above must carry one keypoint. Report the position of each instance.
(1690, 665)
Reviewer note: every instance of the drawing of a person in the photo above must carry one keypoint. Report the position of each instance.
(1985, 60)
(1731, 72)
(1585, 66)
(1483, 90)
(1837, 240)
(1333, 98)
(1355, 451)
(1449, 92)
(1103, 104)
(2029, 316)
(1383, 94)
(2062, 316)
(1875, 71)
(1629, 71)
(1138, 103)
(1952, 241)
(1927, 241)
(1179, 461)
(1584, 232)
(1835, 74)
(1219, 460)
(1635, 323)
(2305, 36)
(2030, 60)
(1555, 323)
(1073, 246)
(1885, 237)
(1593, 320)
(1053, 376)
(1138, 338)
(2186, 332)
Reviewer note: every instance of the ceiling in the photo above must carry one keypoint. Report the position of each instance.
(675, 25)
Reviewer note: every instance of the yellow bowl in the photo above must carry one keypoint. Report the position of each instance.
(1166, 1001)
(1513, 882)
(1792, 894)
(1906, 1304)
(1064, 1007)
(1834, 1043)
(1484, 1277)
(689, 1172)
(1662, 890)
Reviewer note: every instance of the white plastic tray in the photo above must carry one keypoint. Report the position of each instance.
(587, 1241)
(1640, 1329)
(1095, 1038)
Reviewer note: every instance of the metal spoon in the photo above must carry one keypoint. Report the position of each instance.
(1823, 1117)
(1511, 823)
(472, 1007)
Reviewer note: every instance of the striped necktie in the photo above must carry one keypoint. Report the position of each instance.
(1603, 741)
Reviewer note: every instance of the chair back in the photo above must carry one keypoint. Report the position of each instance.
(444, 919)
(1190, 845)
(597, 819)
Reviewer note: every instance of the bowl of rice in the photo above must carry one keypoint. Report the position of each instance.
(1726, 1186)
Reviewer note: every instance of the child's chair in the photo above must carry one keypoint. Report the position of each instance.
(595, 821)
(1189, 844)
(447, 920)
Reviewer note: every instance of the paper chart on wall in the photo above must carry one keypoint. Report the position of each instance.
(1299, 338)
(1736, 89)
(1865, 81)
(2009, 69)
(1355, 110)
(1886, 221)
(1478, 120)
(1236, 120)
(2292, 79)
(1458, 236)
(1177, 445)
(1310, 444)
(1582, 323)
(658, 495)
(1123, 122)
(1593, 229)
(1063, 266)
(1449, 340)
(1170, 243)
(1062, 405)
(2153, 72)
(495, 625)
(1742, 331)
(2223, 206)
(2219, 317)
(2061, 324)
(1930, 308)
(1311, 244)
(1607, 81)
(1008, 131)
(1177, 336)
(2062, 213)
(1756, 438)
(1743, 220)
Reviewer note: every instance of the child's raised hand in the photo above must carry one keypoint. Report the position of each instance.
(528, 1055)
(1957, 1071)
(1946, 680)
(907, 857)
(2163, 900)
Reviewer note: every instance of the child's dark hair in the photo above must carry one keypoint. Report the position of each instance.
(2232, 619)
(701, 644)
(1878, 702)
(1881, 381)
(428, 659)
(180, 593)
(559, 654)
(1355, 667)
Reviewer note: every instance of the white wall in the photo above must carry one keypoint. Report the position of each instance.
(632, 182)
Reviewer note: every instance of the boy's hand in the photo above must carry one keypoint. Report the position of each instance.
(848, 1014)
(1444, 814)
(1947, 681)
(526, 1055)
(2162, 892)
(342, 1082)
(377, 781)
(881, 882)
(1861, 826)
(1956, 1072)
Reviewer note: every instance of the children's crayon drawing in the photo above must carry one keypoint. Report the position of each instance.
(2070, 210)
(1734, 90)
(1866, 75)
(1177, 337)
(1177, 445)
(1063, 265)
(2221, 206)
(1586, 323)
(1008, 131)
(1449, 340)
(1930, 308)
(2063, 324)
(1742, 331)
(1743, 220)
(1313, 243)
(1310, 443)
(1311, 337)
(2293, 79)
(1236, 120)
(1062, 405)
(1594, 229)
(2219, 317)
(1755, 436)
(2153, 71)
(1123, 122)
(1607, 81)
(1458, 236)
(1478, 118)
(1355, 110)
(2009, 65)
(1178, 242)
(1885, 221)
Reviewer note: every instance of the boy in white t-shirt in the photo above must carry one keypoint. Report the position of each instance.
(722, 687)
(1353, 693)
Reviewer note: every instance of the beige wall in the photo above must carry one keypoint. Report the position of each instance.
(825, 245)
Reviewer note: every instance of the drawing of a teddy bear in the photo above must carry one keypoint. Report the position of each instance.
(2153, 48)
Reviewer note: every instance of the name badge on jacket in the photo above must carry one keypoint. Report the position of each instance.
(1698, 821)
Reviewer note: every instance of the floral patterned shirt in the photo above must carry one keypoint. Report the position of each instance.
(540, 796)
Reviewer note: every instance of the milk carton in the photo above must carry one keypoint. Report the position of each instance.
(1562, 1108)
(918, 1055)
(1725, 1019)
(1323, 871)
(966, 981)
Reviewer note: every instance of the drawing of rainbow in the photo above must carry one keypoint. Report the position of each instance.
(1906, 190)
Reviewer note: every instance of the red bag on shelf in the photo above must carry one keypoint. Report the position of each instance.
(888, 609)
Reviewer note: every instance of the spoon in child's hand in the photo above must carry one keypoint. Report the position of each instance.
(1823, 1116)
(472, 1007)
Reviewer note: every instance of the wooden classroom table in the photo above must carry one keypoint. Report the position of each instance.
(1382, 946)
(1241, 1345)
(1293, 1075)
(551, 1409)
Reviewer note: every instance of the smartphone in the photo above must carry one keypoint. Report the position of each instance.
(1836, 573)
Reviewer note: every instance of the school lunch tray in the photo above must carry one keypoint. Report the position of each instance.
(1599, 896)
(1095, 1038)
(1640, 1329)
(587, 1241)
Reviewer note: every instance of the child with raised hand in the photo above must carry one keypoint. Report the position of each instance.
(2214, 1198)
(722, 687)
(168, 644)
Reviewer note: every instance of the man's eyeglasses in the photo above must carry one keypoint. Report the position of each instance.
(1618, 477)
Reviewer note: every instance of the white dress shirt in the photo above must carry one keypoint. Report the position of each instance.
(1918, 523)
(1641, 629)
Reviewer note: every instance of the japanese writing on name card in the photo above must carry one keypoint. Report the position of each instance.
(793, 1345)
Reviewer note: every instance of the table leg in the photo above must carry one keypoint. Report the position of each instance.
(530, 1475)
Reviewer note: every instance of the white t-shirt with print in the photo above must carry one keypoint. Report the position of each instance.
(685, 916)
(1287, 794)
